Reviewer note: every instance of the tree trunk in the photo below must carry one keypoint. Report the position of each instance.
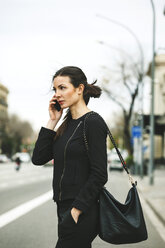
(127, 136)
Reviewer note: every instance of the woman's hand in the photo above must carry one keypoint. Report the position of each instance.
(54, 114)
(75, 214)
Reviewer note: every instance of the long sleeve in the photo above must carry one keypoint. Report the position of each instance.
(43, 150)
(96, 136)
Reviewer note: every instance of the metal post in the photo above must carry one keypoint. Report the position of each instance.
(141, 120)
(152, 119)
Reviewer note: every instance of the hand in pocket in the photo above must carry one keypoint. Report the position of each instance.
(75, 214)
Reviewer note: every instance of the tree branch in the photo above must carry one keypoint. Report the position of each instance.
(124, 78)
(114, 99)
(127, 86)
(132, 102)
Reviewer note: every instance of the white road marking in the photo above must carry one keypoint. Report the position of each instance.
(24, 208)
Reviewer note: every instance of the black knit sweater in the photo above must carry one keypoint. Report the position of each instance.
(77, 175)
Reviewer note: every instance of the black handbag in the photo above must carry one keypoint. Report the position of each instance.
(120, 223)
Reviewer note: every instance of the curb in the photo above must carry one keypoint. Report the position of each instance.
(140, 188)
(155, 211)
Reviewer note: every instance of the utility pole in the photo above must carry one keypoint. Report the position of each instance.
(152, 119)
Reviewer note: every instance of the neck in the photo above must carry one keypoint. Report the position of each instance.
(78, 110)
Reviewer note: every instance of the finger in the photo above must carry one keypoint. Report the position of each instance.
(75, 219)
(52, 102)
(54, 97)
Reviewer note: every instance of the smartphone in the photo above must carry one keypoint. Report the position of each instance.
(57, 106)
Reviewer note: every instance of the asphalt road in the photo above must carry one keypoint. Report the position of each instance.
(38, 227)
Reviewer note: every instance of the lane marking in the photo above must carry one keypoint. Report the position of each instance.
(24, 208)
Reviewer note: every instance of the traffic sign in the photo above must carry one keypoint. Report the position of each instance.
(136, 132)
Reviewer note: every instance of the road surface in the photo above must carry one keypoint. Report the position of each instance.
(28, 214)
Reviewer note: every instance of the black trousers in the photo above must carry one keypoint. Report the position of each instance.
(80, 234)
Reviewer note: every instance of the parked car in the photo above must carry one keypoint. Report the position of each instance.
(114, 161)
(4, 158)
(23, 156)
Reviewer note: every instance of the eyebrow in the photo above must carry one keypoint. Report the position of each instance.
(58, 86)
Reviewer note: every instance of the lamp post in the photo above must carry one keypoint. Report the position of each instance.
(117, 49)
(141, 80)
(134, 36)
(152, 119)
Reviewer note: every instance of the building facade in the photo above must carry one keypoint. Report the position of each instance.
(3, 111)
(3, 102)
(159, 108)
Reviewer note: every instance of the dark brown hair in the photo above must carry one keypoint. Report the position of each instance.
(77, 77)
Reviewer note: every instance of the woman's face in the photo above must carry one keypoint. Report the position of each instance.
(67, 95)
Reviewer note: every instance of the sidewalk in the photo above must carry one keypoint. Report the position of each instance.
(154, 194)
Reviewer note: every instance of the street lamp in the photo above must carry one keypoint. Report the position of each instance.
(117, 49)
(152, 119)
(133, 34)
(141, 78)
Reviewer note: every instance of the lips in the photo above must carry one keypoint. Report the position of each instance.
(61, 102)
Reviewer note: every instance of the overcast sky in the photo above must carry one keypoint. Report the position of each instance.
(37, 37)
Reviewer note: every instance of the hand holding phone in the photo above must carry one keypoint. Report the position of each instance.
(55, 110)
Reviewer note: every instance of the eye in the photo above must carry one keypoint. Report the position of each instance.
(62, 87)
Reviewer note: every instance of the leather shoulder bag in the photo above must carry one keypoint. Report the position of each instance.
(119, 223)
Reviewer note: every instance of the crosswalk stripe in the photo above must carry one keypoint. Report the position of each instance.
(24, 208)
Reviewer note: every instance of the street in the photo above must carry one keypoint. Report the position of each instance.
(36, 223)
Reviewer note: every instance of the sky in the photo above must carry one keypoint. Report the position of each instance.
(38, 37)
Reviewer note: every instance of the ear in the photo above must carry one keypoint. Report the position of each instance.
(80, 89)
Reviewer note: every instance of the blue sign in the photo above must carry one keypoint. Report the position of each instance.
(136, 132)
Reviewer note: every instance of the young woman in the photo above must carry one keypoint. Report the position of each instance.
(78, 175)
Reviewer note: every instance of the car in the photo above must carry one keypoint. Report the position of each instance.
(24, 156)
(4, 158)
(114, 161)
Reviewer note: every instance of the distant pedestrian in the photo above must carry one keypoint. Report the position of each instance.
(78, 177)
(18, 163)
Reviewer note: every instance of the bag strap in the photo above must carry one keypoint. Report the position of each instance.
(114, 144)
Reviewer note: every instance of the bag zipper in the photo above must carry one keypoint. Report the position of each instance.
(60, 184)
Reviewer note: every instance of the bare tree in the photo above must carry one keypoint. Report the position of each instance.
(15, 134)
(122, 88)
(116, 127)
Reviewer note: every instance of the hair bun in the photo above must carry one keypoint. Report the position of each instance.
(91, 90)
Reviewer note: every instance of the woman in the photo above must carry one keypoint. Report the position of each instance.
(78, 175)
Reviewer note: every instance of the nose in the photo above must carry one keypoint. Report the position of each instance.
(57, 94)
